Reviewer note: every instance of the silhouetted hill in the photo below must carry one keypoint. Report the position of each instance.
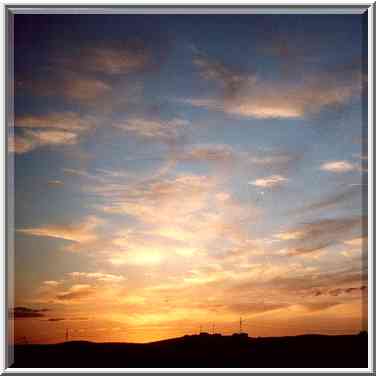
(311, 351)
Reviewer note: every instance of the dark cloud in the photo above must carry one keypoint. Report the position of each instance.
(214, 70)
(25, 312)
(317, 235)
(252, 95)
(310, 284)
(339, 198)
(340, 291)
(55, 319)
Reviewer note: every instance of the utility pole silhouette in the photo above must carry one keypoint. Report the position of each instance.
(240, 325)
(213, 328)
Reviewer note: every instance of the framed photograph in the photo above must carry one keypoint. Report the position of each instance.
(187, 188)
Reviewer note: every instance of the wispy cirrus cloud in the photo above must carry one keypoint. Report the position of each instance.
(215, 70)
(54, 129)
(80, 233)
(339, 198)
(314, 236)
(177, 216)
(111, 59)
(102, 277)
(84, 73)
(76, 292)
(224, 155)
(70, 85)
(66, 121)
(33, 139)
(169, 130)
(210, 153)
(250, 95)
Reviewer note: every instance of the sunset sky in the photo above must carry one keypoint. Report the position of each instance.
(186, 170)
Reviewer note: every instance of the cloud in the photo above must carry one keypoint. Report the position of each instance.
(356, 247)
(110, 59)
(320, 234)
(250, 95)
(356, 242)
(247, 107)
(90, 74)
(255, 307)
(209, 153)
(173, 216)
(340, 291)
(55, 319)
(214, 70)
(26, 313)
(115, 59)
(318, 306)
(295, 283)
(334, 200)
(20, 144)
(84, 89)
(273, 159)
(55, 183)
(81, 233)
(138, 256)
(90, 60)
(270, 181)
(76, 292)
(53, 129)
(154, 130)
(102, 277)
(51, 283)
(338, 166)
(67, 121)
(290, 235)
(72, 86)
(232, 159)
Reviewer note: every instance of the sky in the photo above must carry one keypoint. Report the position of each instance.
(175, 172)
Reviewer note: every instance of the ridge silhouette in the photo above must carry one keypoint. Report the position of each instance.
(203, 350)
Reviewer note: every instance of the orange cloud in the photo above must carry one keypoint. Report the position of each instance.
(102, 277)
(67, 121)
(84, 89)
(111, 60)
(76, 292)
(48, 130)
